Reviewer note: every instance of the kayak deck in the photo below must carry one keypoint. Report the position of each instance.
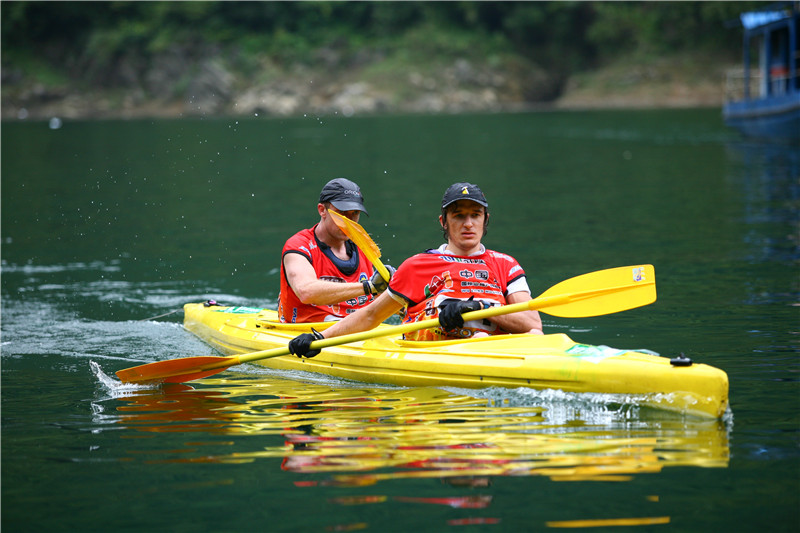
(551, 361)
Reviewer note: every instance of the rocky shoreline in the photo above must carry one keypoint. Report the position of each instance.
(212, 89)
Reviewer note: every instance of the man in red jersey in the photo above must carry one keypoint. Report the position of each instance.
(324, 276)
(459, 276)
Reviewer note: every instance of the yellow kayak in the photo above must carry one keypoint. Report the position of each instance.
(551, 361)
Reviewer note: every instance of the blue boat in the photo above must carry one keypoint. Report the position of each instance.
(763, 100)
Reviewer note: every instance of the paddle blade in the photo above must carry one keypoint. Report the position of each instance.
(357, 234)
(603, 292)
(361, 238)
(176, 370)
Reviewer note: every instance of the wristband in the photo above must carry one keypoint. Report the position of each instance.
(367, 288)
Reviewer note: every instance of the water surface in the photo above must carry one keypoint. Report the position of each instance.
(107, 225)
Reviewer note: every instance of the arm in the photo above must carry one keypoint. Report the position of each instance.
(312, 290)
(522, 322)
(367, 317)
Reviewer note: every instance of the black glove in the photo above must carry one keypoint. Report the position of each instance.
(300, 345)
(376, 283)
(450, 312)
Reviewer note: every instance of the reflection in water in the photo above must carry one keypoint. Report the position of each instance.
(768, 176)
(362, 436)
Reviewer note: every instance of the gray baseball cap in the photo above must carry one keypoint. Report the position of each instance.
(343, 194)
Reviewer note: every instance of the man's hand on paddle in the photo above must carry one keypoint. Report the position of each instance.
(301, 345)
(376, 283)
(450, 312)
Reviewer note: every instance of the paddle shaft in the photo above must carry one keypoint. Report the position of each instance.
(607, 291)
(543, 302)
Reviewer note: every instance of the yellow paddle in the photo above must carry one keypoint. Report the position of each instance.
(597, 293)
(358, 235)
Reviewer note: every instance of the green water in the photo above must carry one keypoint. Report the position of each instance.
(105, 224)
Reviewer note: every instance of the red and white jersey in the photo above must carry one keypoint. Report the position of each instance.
(328, 268)
(426, 280)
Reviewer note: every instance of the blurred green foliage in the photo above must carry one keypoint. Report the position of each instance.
(565, 36)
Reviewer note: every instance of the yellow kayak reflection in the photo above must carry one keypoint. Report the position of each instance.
(360, 436)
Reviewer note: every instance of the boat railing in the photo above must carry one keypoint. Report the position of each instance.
(739, 87)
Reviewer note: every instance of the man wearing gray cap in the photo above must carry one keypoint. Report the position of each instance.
(324, 276)
(461, 275)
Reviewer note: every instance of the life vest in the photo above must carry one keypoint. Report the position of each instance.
(426, 280)
(328, 268)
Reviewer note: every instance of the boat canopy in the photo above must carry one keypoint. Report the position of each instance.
(755, 19)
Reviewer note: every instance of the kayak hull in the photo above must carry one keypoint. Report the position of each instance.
(551, 361)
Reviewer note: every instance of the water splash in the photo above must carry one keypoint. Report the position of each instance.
(564, 407)
(116, 389)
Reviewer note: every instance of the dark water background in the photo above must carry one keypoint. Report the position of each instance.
(107, 224)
